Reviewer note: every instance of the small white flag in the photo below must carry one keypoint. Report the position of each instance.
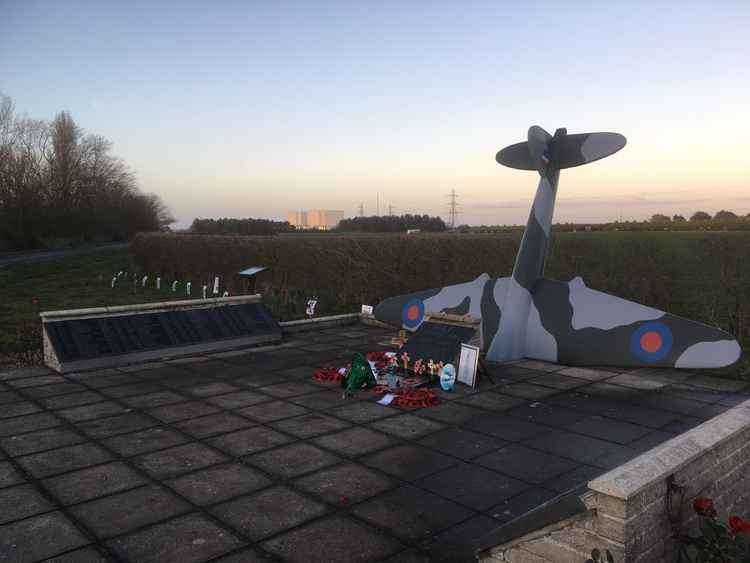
(174, 286)
(216, 285)
(143, 281)
(205, 289)
(225, 294)
(119, 274)
(114, 279)
(158, 283)
(187, 288)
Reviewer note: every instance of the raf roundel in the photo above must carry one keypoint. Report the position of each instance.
(651, 342)
(412, 313)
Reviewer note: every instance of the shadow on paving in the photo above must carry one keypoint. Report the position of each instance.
(243, 457)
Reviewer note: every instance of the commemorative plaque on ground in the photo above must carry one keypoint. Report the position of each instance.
(111, 336)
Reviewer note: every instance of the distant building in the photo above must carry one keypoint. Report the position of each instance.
(322, 219)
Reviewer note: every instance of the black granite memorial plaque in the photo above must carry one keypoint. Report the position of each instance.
(83, 341)
(438, 342)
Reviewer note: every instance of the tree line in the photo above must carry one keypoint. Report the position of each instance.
(249, 226)
(391, 224)
(699, 216)
(59, 183)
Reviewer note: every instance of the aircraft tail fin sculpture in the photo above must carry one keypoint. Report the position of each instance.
(526, 315)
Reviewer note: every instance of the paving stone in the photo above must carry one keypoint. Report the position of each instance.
(407, 426)
(297, 372)
(98, 381)
(344, 484)
(721, 384)
(463, 444)
(40, 440)
(409, 462)
(522, 503)
(72, 400)
(538, 365)
(20, 502)
(274, 410)
(213, 424)
(615, 458)
(450, 413)
(27, 423)
(412, 513)
(354, 441)
(473, 486)
(181, 411)
(92, 411)
(641, 382)
(239, 399)
(557, 381)
(608, 429)
(586, 373)
(527, 391)
(320, 400)
(63, 459)
(256, 379)
(18, 409)
(526, 464)
(200, 539)
(361, 412)
(35, 381)
(491, 401)
(219, 483)
(710, 411)
(245, 556)
(682, 424)
(346, 541)
(177, 460)
(551, 415)
(292, 460)
(505, 427)
(114, 425)
(616, 392)
(39, 537)
(83, 555)
(9, 475)
(289, 389)
(268, 512)
(9, 397)
(309, 425)
(514, 372)
(123, 512)
(459, 391)
(695, 393)
(157, 399)
(650, 440)
(572, 479)
(210, 389)
(252, 440)
(144, 441)
(20, 373)
(93, 482)
(457, 543)
(138, 388)
(183, 382)
(580, 448)
(669, 402)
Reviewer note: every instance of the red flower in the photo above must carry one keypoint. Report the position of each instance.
(704, 506)
(739, 526)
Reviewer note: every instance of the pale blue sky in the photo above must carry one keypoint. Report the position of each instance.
(250, 108)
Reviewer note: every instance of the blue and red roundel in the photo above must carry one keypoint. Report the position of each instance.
(412, 313)
(651, 342)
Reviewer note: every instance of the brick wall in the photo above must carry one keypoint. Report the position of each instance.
(627, 507)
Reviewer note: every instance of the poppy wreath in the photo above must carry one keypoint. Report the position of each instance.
(717, 541)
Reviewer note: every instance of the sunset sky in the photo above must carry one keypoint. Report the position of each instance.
(250, 109)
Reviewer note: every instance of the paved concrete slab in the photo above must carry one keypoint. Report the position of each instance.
(243, 457)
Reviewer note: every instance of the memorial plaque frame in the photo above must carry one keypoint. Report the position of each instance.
(85, 339)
